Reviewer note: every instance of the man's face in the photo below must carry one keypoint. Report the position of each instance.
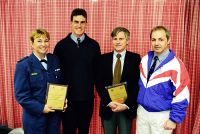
(159, 41)
(40, 46)
(78, 25)
(119, 42)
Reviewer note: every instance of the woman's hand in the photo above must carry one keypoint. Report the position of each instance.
(47, 109)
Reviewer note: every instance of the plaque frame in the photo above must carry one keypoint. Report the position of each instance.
(56, 96)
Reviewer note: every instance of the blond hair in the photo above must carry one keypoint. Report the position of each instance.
(38, 33)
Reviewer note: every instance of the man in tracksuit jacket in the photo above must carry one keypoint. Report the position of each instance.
(164, 90)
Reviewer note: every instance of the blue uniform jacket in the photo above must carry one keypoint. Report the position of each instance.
(30, 84)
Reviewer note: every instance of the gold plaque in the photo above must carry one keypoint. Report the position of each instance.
(56, 95)
(118, 92)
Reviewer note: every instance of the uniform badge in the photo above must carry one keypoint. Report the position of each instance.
(34, 74)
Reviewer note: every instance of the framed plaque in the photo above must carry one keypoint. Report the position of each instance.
(56, 95)
(118, 92)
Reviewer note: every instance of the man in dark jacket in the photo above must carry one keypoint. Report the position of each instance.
(113, 113)
(78, 53)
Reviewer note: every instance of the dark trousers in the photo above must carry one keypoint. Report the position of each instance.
(119, 122)
(42, 124)
(77, 117)
(4, 129)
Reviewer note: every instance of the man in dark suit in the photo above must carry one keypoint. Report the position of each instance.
(114, 114)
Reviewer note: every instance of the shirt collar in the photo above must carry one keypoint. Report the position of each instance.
(122, 53)
(45, 58)
(74, 38)
(163, 55)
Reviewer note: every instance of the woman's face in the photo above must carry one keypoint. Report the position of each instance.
(40, 46)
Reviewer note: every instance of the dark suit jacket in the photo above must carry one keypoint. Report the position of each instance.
(130, 74)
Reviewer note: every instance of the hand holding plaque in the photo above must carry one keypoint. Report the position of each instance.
(56, 95)
(117, 92)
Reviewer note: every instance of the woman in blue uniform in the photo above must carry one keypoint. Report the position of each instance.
(30, 84)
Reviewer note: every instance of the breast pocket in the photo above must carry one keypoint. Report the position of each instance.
(35, 80)
(54, 76)
(57, 73)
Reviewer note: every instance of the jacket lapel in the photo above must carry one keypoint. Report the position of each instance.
(110, 67)
(35, 62)
(125, 67)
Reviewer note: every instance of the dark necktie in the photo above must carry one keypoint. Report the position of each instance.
(79, 41)
(117, 70)
(43, 60)
(44, 63)
(152, 67)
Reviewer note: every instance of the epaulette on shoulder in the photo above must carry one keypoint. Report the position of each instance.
(22, 59)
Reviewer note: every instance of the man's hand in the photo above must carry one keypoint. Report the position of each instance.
(118, 107)
(47, 109)
(65, 105)
(169, 125)
(112, 105)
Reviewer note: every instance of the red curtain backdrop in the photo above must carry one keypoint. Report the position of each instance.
(19, 17)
